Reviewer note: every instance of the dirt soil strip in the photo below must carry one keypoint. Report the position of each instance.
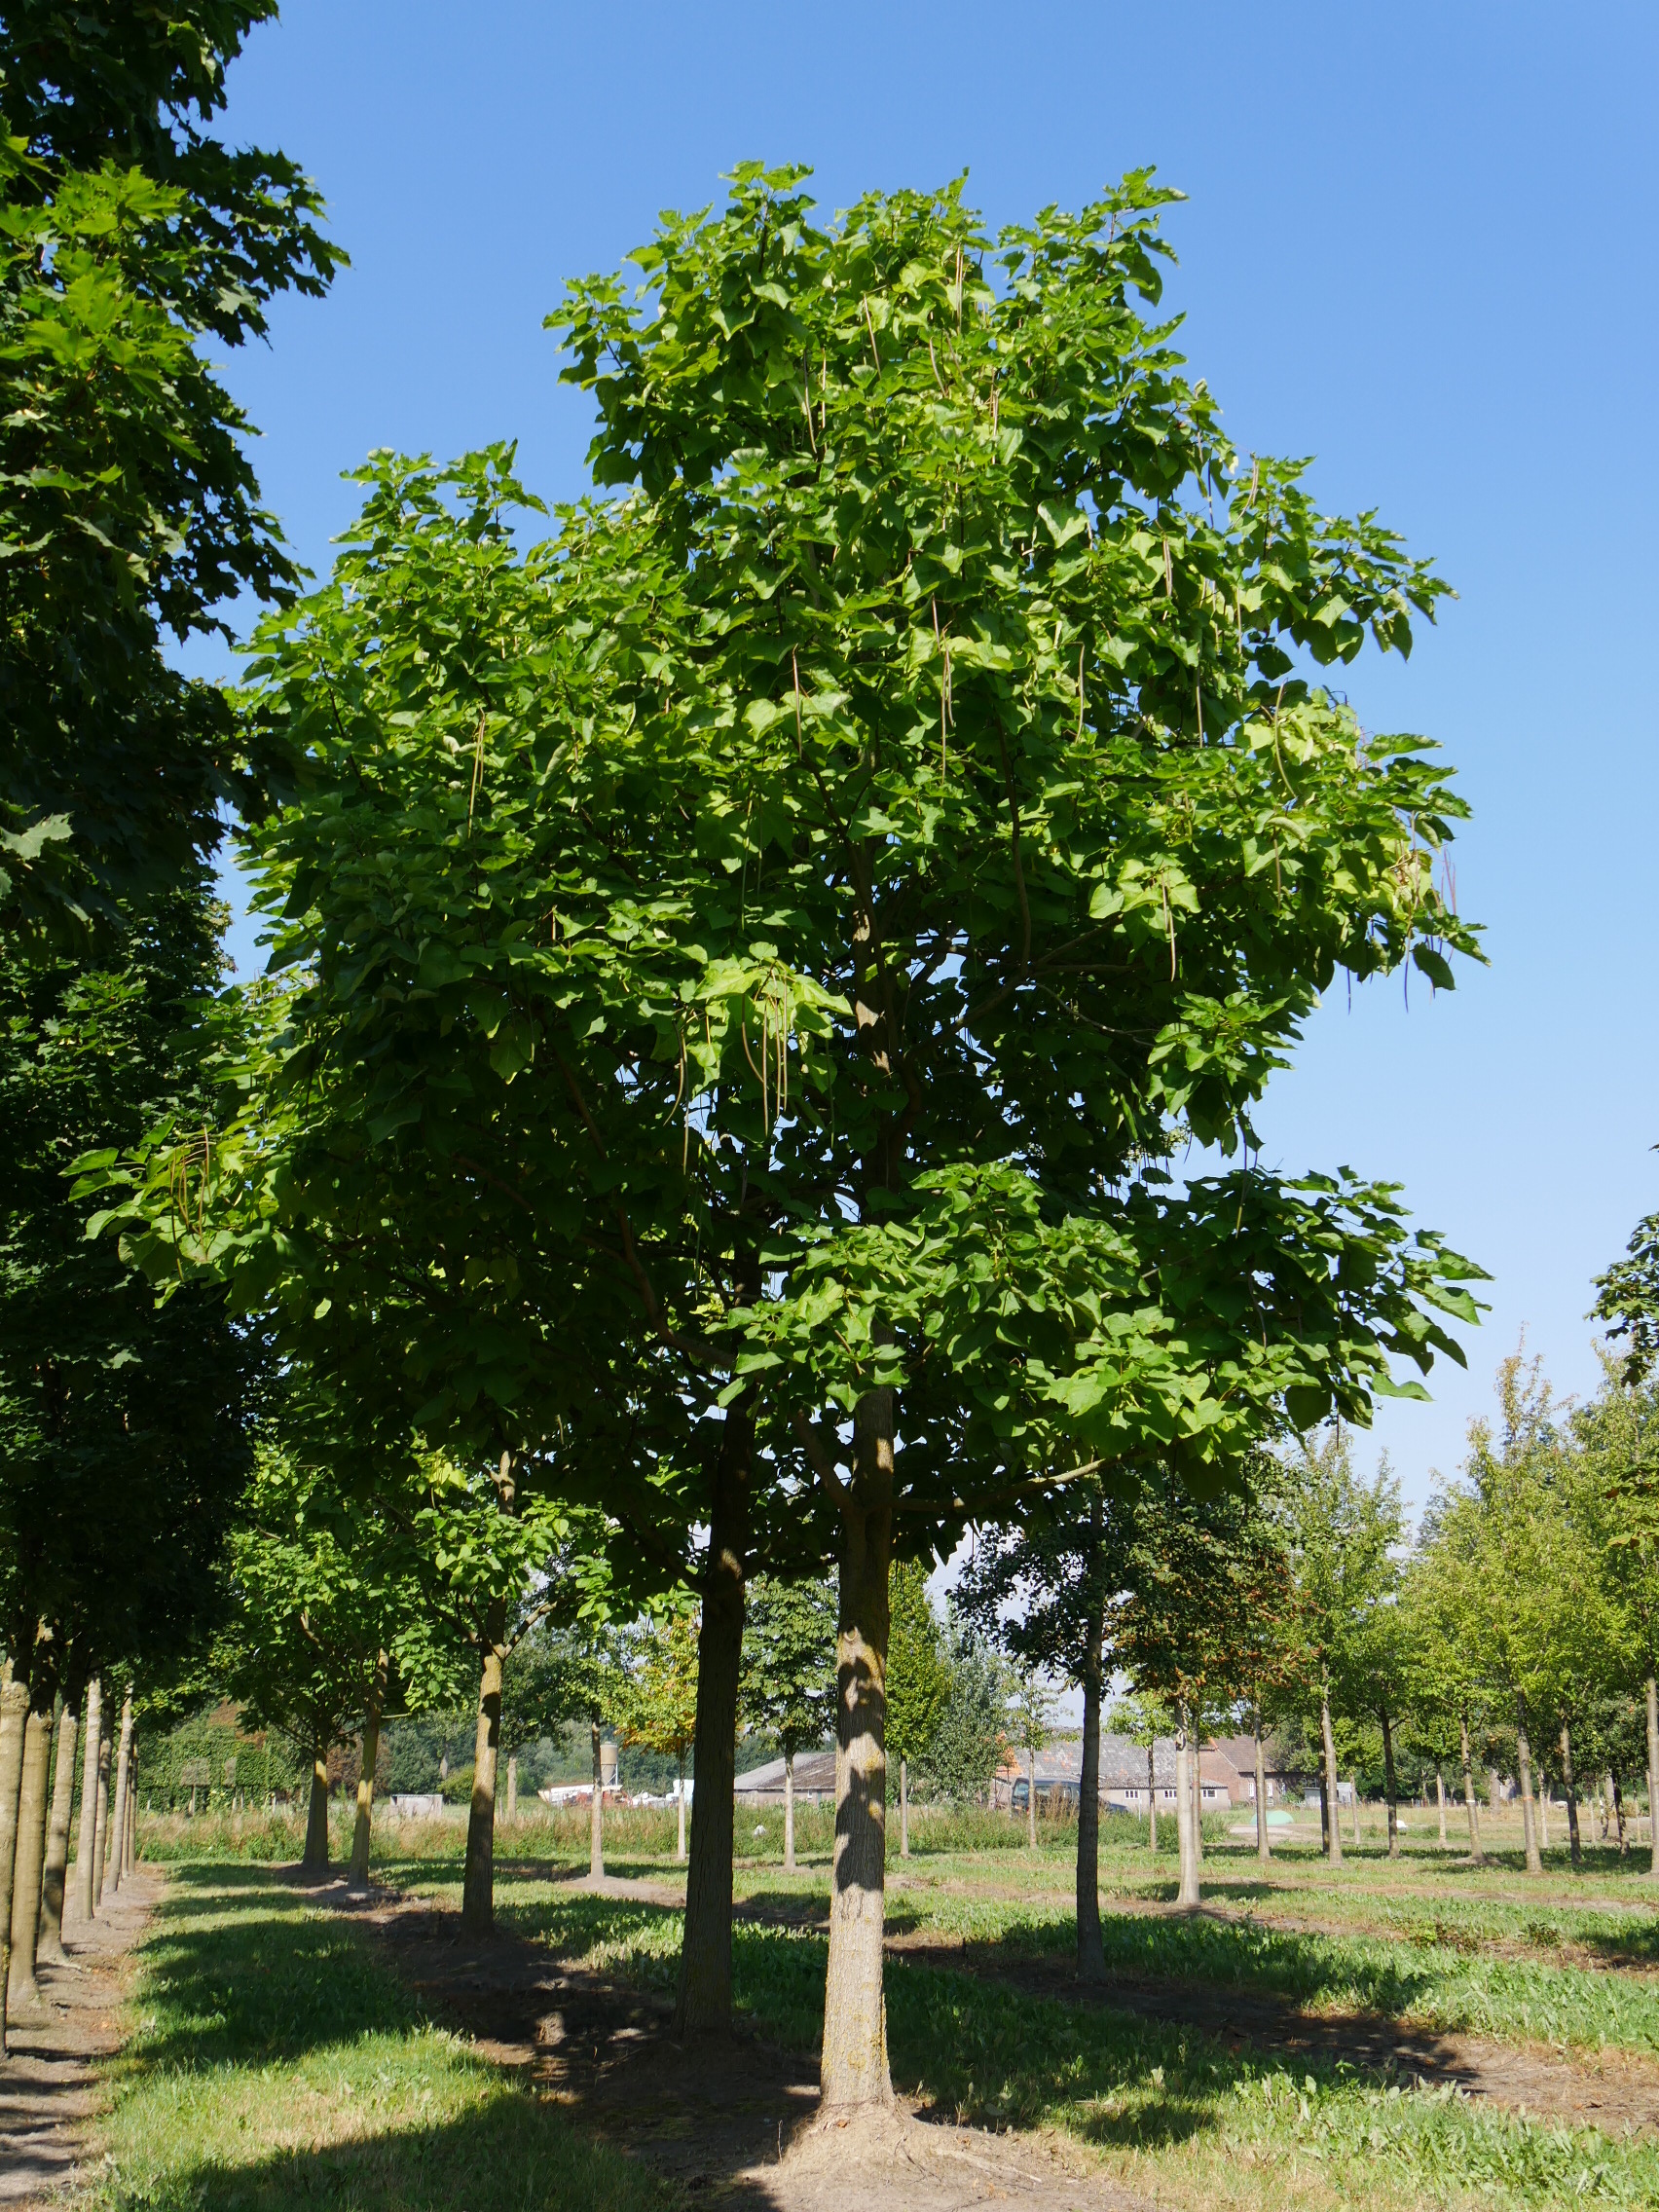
(734, 2120)
(1615, 2090)
(50, 2093)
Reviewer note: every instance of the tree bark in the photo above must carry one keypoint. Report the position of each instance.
(854, 2067)
(1615, 1798)
(1324, 1809)
(91, 1735)
(1090, 1954)
(478, 1883)
(789, 1815)
(1529, 1818)
(1575, 1848)
(1543, 1794)
(595, 1805)
(52, 1879)
(1334, 1827)
(1354, 1786)
(313, 1859)
(1475, 1851)
(1440, 1794)
(1391, 1786)
(1187, 1893)
(905, 1808)
(1196, 1775)
(680, 1817)
(1152, 1798)
(362, 1834)
(33, 1808)
(100, 1832)
(117, 1822)
(512, 1788)
(1030, 1800)
(704, 2004)
(1653, 1773)
(1264, 1840)
(14, 1722)
(133, 1810)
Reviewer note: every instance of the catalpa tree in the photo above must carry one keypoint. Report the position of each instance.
(757, 949)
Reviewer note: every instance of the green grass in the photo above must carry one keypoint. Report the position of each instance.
(276, 2062)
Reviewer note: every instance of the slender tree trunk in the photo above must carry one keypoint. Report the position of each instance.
(1354, 1786)
(1574, 1847)
(100, 1834)
(1333, 1828)
(1494, 1789)
(1653, 1773)
(1543, 1809)
(905, 1808)
(596, 1807)
(362, 1834)
(313, 1859)
(704, 2005)
(680, 1822)
(1475, 1851)
(789, 1813)
(51, 1942)
(1152, 1798)
(1615, 1797)
(133, 1813)
(512, 1787)
(1324, 1809)
(478, 1881)
(1440, 1794)
(854, 2069)
(34, 1804)
(1031, 1799)
(1263, 1840)
(1529, 1821)
(1197, 1776)
(1187, 1895)
(124, 1756)
(91, 1737)
(1391, 1786)
(1090, 1954)
(13, 1724)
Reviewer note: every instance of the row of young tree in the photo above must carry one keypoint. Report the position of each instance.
(742, 966)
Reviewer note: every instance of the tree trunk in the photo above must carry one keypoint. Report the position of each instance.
(1653, 1773)
(1615, 1797)
(1152, 1798)
(512, 1788)
(478, 1881)
(1354, 1786)
(34, 1804)
(789, 1813)
(56, 1873)
(14, 1722)
(596, 1807)
(132, 1811)
(1494, 1789)
(118, 1820)
(91, 1735)
(680, 1815)
(1573, 1845)
(1333, 1827)
(1440, 1797)
(362, 1834)
(1187, 1896)
(1264, 1840)
(1197, 1776)
(1392, 1788)
(704, 2004)
(905, 1808)
(1543, 1809)
(1324, 1809)
(100, 1834)
(313, 1859)
(1529, 1821)
(1475, 1851)
(1090, 1955)
(1031, 1800)
(854, 2069)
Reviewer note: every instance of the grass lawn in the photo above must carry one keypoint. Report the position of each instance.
(278, 2062)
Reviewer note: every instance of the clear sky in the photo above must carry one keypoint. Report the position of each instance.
(1418, 246)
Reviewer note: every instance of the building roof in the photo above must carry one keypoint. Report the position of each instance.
(813, 1774)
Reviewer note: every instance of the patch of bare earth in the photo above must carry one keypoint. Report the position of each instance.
(736, 2119)
(50, 2092)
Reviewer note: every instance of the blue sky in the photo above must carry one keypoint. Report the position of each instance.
(1419, 246)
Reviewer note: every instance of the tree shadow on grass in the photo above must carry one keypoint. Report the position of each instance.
(511, 2151)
